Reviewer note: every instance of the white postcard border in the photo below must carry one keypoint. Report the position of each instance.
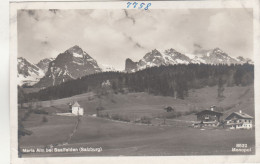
(122, 5)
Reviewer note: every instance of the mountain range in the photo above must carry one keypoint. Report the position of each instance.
(172, 57)
(75, 63)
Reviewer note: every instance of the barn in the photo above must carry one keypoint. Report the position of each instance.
(239, 120)
(76, 109)
(209, 117)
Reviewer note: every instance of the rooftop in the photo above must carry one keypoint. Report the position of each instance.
(243, 115)
(210, 111)
(76, 104)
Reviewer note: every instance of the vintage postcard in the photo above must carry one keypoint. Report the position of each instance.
(94, 81)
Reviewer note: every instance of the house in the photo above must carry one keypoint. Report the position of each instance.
(209, 117)
(239, 120)
(76, 108)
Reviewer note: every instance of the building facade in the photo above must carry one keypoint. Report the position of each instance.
(209, 117)
(239, 120)
(77, 109)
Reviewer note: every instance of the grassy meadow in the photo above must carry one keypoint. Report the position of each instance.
(128, 138)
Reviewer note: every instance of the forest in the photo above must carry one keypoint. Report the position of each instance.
(172, 80)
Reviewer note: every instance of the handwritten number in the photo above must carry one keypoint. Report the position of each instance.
(141, 5)
(128, 4)
(149, 4)
(135, 3)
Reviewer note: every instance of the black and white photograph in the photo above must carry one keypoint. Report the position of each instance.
(135, 81)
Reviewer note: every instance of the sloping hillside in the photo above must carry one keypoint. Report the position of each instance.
(143, 104)
(121, 138)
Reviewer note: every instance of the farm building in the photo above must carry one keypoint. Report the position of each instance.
(239, 120)
(209, 117)
(76, 108)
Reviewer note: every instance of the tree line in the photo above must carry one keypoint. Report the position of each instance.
(173, 80)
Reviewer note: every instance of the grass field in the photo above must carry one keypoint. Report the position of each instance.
(56, 130)
(121, 138)
(129, 139)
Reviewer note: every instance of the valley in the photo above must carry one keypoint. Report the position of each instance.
(148, 109)
(175, 137)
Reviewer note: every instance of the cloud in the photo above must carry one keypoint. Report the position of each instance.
(232, 31)
(220, 21)
(111, 36)
(136, 44)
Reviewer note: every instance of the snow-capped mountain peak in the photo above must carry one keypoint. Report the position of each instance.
(172, 57)
(28, 73)
(75, 49)
(157, 58)
(241, 59)
(217, 50)
(71, 64)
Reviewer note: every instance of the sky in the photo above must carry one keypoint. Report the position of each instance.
(111, 36)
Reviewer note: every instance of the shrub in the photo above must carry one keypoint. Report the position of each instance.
(169, 109)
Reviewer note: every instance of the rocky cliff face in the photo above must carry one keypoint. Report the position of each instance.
(71, 64)
(44, 64)
(130, 66)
